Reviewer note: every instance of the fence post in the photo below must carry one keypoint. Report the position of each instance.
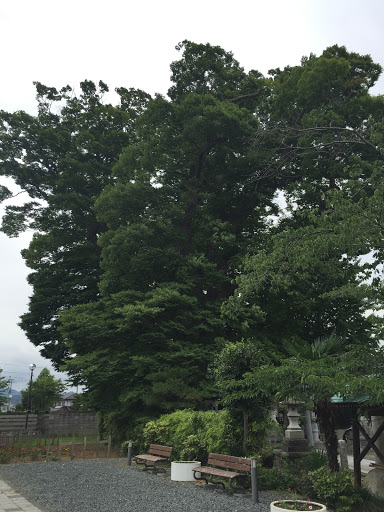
(97, 446)
(47, 446)
(59, 448)
(109, 446)
(84, 446)
(129, 459)
(255, 491)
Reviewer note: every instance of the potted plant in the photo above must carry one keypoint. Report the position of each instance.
(297, 505)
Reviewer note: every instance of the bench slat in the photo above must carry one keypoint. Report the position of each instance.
(164, 451)
(217, 472)
(151, 458)
(230, 458)
(230, 462)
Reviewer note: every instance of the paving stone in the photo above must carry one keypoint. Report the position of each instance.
(13, 501)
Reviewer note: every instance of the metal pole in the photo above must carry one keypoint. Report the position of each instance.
(255, 491)
(31, 367)
(129, 460)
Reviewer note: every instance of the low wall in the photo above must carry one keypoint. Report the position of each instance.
(68, 423)
(53, 424)
(17, 423)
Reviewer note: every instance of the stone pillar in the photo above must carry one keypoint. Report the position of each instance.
(294, 443)
(315, 428)
(343, 454)
(376, 423)
(294, 431)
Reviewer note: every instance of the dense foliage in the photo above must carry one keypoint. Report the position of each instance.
(231, 368)
(194, 434)
(160, 234)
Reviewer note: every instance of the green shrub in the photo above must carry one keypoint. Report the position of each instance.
(274, 479)
(193, 434)
(314, 460)
(293, 474)
(335, 489)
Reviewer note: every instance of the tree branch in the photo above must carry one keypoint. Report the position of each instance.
(246, 96)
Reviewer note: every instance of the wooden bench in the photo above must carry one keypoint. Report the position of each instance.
(216, 461)
(156, 453)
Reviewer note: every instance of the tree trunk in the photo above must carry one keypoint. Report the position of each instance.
(245, 432)
(326, 421)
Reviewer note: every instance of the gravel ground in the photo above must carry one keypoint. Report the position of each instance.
(110, 485)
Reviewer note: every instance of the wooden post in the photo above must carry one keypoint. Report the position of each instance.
(84, 446)
(97, 446)
(59, 448)
(73, 448)
(47, 448)
(356, 450)
(109, 446)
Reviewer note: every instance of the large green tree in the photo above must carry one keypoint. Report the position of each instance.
(62, 159)
(180, 216)
(320, 272)
(309, 279)
(151, 215)
(43, 393)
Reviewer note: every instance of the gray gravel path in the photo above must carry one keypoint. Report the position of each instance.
(110, 485)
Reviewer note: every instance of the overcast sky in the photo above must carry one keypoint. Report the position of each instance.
(131, 44)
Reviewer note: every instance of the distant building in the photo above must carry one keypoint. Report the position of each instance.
(64, 403)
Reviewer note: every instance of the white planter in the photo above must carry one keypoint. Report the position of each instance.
(181, 470)
(280, 508)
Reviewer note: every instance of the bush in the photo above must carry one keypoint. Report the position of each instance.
(293, 475)
(314, 460)
(336, 489)
(274, 479)
(193, 434)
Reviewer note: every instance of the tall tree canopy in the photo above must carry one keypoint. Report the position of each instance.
(62, 158)
(309, 279)
(180, 217)
(155, 241)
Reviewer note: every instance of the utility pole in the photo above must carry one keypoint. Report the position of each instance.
(10, 380)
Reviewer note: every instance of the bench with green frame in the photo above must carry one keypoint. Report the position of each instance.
(223, 466)
(157, 453)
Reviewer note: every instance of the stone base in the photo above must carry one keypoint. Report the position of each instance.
(294, 434)
(292, 449)
(374, 480)
(292, 446)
